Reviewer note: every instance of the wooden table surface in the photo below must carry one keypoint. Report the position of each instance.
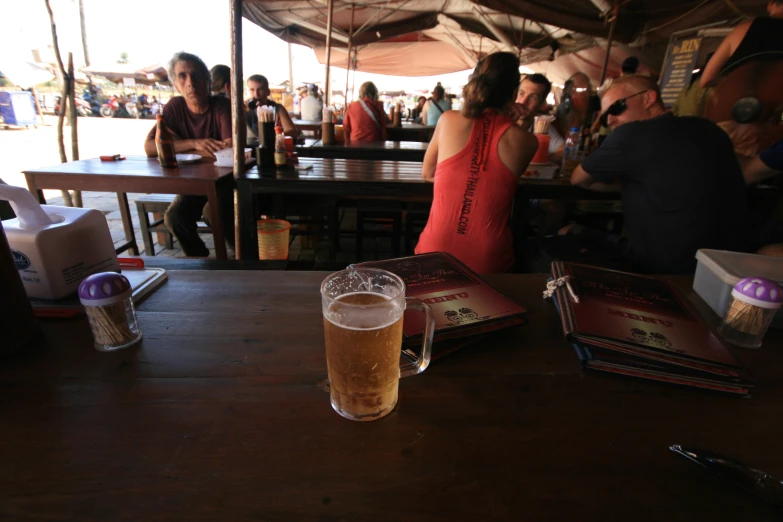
(219, 414)
(138, 174)
(371, 150)
(392, 180)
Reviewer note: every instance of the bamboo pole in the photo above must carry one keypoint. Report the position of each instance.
(72, 115)
(615, 16)
(238, 125)
(327, 89)
(63, 100)
(83, 23)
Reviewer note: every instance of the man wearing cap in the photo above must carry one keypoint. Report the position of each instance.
(312, 106)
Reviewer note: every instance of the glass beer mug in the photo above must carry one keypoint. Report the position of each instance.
(363, 313)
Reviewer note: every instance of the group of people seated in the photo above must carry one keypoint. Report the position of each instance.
(682, 186)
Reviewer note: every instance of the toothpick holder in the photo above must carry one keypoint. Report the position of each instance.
(754, 303)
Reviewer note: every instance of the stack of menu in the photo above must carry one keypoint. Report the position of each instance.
(642, 327)
(465, 306)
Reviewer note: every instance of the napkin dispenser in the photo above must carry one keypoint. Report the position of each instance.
(55, 248)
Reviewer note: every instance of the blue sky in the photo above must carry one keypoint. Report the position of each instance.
(150, 31)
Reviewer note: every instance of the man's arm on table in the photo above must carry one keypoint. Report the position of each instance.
(582, 179)
(765, 165)
(602, 170)
(205, 147)
(289, 129)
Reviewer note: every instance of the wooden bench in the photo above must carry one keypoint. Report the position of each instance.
(156, 204)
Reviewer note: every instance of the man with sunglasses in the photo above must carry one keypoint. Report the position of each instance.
(682, 187)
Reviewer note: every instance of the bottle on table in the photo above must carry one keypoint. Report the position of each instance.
(164, 142)
(281, 159)
(571, 155)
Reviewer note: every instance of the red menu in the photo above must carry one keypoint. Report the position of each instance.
(463, 303)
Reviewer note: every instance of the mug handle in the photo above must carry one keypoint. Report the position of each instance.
(420, 364)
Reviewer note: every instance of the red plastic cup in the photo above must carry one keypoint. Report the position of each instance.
(289, 144)
(542, 154)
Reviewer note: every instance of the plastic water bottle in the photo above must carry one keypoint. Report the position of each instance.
(571, 156)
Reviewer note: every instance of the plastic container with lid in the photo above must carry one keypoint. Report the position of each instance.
(225, 157)
(108, 301)
(718, 271)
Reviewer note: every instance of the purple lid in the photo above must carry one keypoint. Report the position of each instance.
(104, 288)
(758, 291)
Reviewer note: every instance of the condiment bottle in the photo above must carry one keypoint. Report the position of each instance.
(164, 142)
(281, 160)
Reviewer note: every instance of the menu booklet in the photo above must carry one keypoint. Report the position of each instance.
(465, 306)
(641, 326)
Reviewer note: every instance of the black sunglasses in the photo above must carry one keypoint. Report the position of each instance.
(617, 108)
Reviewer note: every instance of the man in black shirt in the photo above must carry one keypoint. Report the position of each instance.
(682, 187)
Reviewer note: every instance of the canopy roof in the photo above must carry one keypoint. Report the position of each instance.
(117, 71)
(451, 35)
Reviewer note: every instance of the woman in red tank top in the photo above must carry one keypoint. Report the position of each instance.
(475, 159)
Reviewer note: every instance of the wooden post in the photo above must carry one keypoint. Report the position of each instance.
(238, 125)
(34, 91)
(83, 24)
(63, 100)
(350, 48)
(72, 115)
(291, 86)
(615, 15)
(327, 89)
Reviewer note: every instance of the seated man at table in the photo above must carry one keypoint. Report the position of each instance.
(682, 187)
(200, 124)
(312, 106)
(365, 119)
(258, 86)
(531, 101)
(435, 107)
(221, 80)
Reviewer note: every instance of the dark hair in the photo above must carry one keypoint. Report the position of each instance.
(630, 65)
(438, 92)
(540, 79)
(259, 79)
(221, 77)
(422, 98)
(492, 85)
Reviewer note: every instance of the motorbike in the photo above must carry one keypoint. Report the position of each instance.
(113, 108)
(110, 108)
(82, 107)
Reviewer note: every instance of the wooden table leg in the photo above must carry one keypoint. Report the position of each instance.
(246, 211)
(127, 223)
(216, 222)
(34, 190)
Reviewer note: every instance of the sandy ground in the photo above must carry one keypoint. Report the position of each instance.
(27, 148)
